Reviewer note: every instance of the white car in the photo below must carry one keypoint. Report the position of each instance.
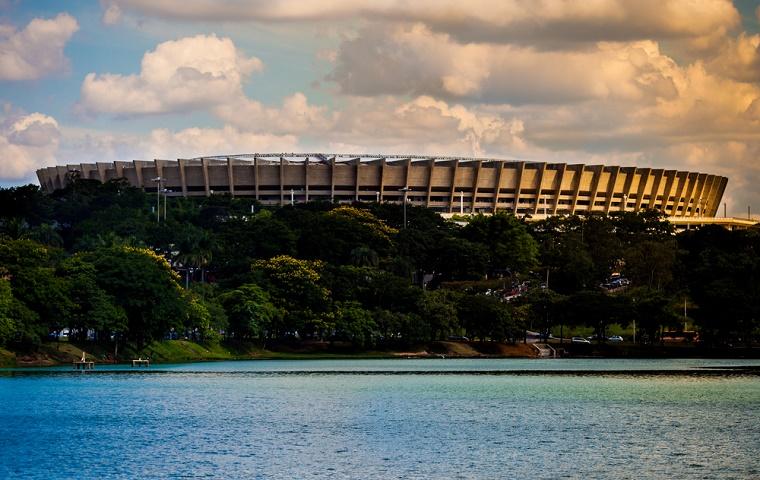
(615, 338)
(580, 340)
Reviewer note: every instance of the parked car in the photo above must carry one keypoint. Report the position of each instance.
(615, 338)
(580, 340)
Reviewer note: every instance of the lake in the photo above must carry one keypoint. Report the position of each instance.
(492, 418)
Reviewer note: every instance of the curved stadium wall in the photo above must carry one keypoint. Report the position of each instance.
(445, 184)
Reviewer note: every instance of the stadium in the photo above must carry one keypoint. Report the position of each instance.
(444, 184)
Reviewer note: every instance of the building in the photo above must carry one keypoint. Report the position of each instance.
(445, 184)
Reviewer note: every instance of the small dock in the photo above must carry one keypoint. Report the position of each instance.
(83, 363)
(141, 362)
(545, 350)
(87, 365)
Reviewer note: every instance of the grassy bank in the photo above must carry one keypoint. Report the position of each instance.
(180, 351)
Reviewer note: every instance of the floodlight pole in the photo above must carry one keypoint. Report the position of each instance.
(158, 198)
(406, 191)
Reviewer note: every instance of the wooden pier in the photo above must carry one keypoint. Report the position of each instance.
(83, 363)
(141, 362)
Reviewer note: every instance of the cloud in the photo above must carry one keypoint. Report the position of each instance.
(181, 75)
(738, 58)
(37, 50)
(27, 142)
(112, 14)
(80, 145)
(423, 125)
(414, 60)
(295, 116)
(195, 142)
(477, 20)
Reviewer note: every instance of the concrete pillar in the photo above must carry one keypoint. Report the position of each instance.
(539, 184)
(611, 189)
(182, 179)
(497, 186)
(643, 180)
(518, 184)
(206, 185)
(431, 169)
(230, 176)
(558, 186)
(453, 185)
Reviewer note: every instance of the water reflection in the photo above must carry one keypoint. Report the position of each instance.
(287, 419)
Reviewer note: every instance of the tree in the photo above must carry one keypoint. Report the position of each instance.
(250, 312)
(724, 280)
(486, 317)
(596, 309)
(650, 263)
(241, 240)
(92, 308)
(569, 262)
(8, 325)
(439, 309)
(354, 323)
(545, 309)
(211, 319)
(296, 288)
(35, 284)
(332, 236)
(144, 285)
(459, 259)
(652, 310)
(509, 244)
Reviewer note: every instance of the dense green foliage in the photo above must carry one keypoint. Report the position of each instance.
(93, 259)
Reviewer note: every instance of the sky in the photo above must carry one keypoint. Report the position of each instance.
(669, 84)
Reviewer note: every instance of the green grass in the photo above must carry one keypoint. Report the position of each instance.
(172, 351)
(7, 359)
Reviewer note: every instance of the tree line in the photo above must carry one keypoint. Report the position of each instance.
(94, 258)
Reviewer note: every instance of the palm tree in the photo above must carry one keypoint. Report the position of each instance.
(194, 252)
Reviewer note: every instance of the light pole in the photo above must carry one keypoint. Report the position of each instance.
(292, 197)
(158, 198)
(165, 191)
(406, 191)
(377, 197)
(461, 202)
(625, 202)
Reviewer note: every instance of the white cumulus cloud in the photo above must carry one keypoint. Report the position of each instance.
(27, 142)
(179, 75)
(37, 50)
(296, 115)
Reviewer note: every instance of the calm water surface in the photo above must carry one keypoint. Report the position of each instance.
(383, 419)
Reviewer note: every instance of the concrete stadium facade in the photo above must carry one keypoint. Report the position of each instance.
(445, 184)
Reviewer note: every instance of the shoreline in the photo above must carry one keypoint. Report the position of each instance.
(182, 351)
